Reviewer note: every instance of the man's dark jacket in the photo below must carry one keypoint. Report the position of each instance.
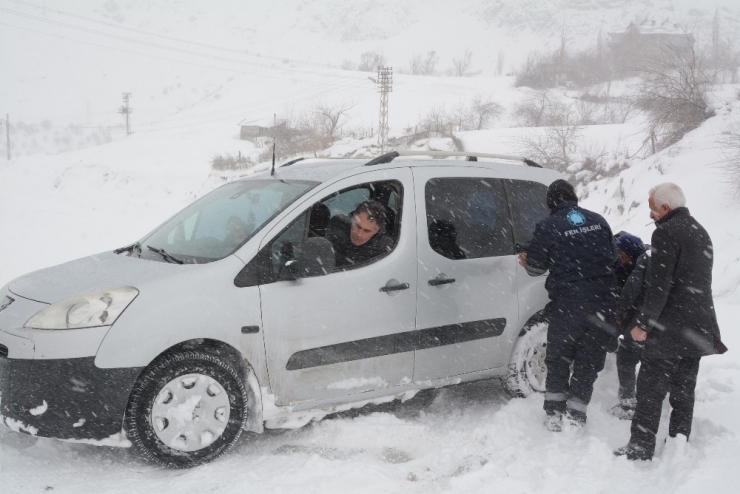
(632, 294)
(348, 254)
(678, 312)
(577, 246)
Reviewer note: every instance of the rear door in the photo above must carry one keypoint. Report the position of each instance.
(467, 312)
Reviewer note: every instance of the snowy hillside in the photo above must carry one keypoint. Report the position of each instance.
(283, 55)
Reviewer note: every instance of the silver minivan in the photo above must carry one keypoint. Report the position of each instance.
(237, 313)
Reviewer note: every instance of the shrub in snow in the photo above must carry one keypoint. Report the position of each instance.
(229, 162)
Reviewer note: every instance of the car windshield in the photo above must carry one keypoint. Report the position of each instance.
(219, 223)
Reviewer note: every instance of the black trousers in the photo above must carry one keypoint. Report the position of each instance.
(658, 377)
(578, 334)
(628, 356)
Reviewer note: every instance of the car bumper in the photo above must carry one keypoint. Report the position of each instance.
(64, 398)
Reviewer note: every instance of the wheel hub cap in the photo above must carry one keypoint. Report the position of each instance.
(536, 368)
(190, 412)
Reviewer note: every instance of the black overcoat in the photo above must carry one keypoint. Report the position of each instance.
(678, 312)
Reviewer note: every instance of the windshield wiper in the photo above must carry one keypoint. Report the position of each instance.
(134, 248)
(169, 257)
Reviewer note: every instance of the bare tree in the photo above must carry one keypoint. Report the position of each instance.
(723, 59)
(617, 111)
(416, 65)
(500, 59)
(308, 131)
(555, 146)
(538, 71)
(539, 109)
(673, 92)
(587, 111)
(371, 60)
(328, 120)
(483, 111)
(424, 65)
(430, 62)
(461, 65)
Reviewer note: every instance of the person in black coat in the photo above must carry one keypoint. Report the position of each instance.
(677, 321)
(576, 246)
(361, 236)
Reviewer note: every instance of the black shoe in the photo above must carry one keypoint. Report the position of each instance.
(575, 418)
(554, 421)
(633, 452)
(622, 412)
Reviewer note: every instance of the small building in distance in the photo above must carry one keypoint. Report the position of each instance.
(650, 36)
(254, 130)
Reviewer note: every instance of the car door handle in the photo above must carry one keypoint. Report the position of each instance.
(395, 288)
(441, 281)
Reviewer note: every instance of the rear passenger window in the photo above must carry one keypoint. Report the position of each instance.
(468, 218)
(528, 202)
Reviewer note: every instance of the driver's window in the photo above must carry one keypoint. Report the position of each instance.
(286, 245)
(328, 221)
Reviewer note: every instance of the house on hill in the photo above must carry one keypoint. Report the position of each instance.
(638, 47)
(650, 36)
(253, 130)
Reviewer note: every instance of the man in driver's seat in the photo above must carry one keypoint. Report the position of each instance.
(361, 236)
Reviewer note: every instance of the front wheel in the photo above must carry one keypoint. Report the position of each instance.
(527, 369)
(186, 409)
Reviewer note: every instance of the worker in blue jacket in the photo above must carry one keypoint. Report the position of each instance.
(577, 248)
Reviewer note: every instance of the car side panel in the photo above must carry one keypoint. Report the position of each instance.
(201, 302)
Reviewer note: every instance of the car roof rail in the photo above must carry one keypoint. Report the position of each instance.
(470, 156)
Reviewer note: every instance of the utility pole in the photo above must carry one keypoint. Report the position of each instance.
(7, 132)
(126, 111)
(385, 85)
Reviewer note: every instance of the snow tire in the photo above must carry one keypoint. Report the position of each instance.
(527, 370)
(138, 422)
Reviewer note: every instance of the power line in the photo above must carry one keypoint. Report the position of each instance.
(169, 48)
(237, 71)
(211, 121)
(236, 111)
(172, 38)
(241, 72)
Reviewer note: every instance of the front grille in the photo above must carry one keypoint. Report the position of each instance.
(3, 351)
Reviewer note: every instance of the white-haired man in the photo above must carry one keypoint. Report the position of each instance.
(677, 321)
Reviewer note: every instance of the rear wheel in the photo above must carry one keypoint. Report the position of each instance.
(186, 409)
(527, 369)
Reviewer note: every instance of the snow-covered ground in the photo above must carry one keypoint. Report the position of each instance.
(469, 438)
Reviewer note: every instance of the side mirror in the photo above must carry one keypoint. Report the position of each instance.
(314, 258)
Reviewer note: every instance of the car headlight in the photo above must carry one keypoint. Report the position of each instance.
(100, 308)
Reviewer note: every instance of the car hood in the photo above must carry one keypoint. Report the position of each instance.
(98, 272)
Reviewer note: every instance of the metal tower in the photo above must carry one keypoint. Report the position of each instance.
(385, 85)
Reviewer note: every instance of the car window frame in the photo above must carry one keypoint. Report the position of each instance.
(259, 271)
(512, 214)
(508, 219)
